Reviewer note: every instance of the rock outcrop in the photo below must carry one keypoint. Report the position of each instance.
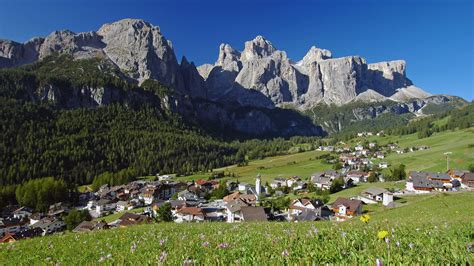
(317, 77)
(135, 46)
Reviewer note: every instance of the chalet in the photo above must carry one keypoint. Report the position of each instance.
(187, 196)
(148, 195)
(189, 214)
(345, 208)
(104, 205)
(379, 155)
(442, 177)
(372, 145)
(467, 180)
(129, 219)
(50, 225)
(58, 209)
(240, 212)
(253, 214)
(164, 177)
(372, 195)
(87, 226)
(214, 211)
(124, 206)
(383, 165)
(299, 185)
(278, 182)
(11, 226)
(22, 213)
(9, 238)
(320, 181)
(300, 205)
(36, 217)
(420, 182)
(457, 174)
(248, 199)
(244, 187)
(357, 177)
(209, 185)
(392, 146)
(292, 180)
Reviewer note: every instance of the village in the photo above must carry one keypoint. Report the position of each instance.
(219, 199)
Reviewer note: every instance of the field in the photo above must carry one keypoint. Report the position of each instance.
(437, 230)
(460, 143)
(300, 164)
(303, 164)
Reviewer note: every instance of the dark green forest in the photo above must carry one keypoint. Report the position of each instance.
(132, 136)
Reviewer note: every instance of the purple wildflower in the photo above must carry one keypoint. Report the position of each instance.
(223, 245)
(58, 263)
(378, 262)
(205, 244)
(162, 242)
(285, 253)
(163, 256)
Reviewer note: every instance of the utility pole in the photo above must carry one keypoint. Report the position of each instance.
(447, 159)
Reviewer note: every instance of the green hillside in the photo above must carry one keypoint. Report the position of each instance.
(431, 231)
(459, 142)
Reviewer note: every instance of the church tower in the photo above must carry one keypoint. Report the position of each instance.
(258, 186)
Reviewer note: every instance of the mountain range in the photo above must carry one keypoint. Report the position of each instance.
(258, 91)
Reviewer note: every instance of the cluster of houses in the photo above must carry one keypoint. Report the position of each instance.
(360, 156)
(190, 201)
(426, 182)
(22, 222)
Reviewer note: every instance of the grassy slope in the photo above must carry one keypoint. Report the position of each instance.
(433, 159)
(276, 166)
(430, 160)
(438, 228)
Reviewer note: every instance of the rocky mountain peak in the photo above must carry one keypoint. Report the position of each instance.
(228, 57)
(257, 48)
(315, 55)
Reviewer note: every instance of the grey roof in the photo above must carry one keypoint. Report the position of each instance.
(250, 214)
(423, 182)
(307, 215)
(103, 202)
(236, 205)
(374, 191)
(440, 176)
(321, 180)
(417, 174)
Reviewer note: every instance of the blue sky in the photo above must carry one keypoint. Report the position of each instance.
(435, 37)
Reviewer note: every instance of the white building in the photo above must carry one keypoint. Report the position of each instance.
(258, 186)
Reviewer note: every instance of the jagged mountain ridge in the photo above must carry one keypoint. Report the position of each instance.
(317, 78)
(259, 78)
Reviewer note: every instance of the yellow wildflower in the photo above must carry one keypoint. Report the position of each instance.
(365, 218)
(382, 234)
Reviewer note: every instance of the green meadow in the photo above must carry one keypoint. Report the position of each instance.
(460, 143)
(434, 230)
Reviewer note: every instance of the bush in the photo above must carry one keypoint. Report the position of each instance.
(75, 217)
